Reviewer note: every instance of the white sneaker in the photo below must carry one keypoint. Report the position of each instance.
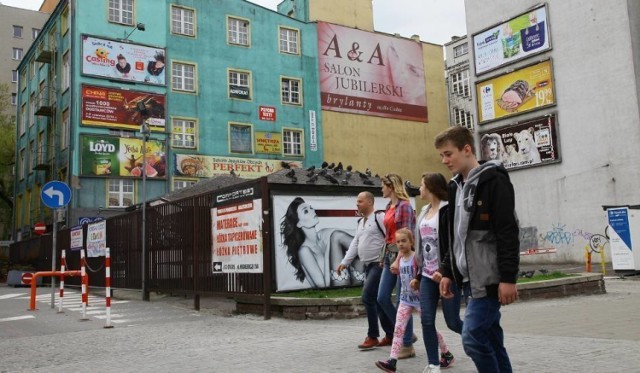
(431, 369)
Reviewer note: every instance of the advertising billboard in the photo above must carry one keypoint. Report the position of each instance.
(108, 156)
(521, 145)
(510, 41)
(122, 61)
(367, 73)
(236, 232)
(117, 108)
(526, 89)
(193, 165)
(269, 142)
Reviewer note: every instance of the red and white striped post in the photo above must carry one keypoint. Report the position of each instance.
(107, 284)
(63, 266)
(83, 275)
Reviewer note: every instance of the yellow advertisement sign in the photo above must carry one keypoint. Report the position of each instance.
(517, 92)
(268, 142)
(192, 165)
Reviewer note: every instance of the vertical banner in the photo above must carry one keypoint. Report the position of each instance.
(96, 239)
(313, 134)
(76, 238)
(236, 232)
(622, 256)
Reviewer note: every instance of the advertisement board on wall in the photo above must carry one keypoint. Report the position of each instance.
(269, 142)
(193, 165)
(109, 156)
(122, 61)
(526, 89)
(117, 108)
(521, 145)
(330, 223)
(510, 41)
(236, 232)
(367, 73)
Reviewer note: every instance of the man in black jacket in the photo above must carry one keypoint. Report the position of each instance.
(484, 253)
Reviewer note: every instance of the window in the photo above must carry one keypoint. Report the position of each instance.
(17, 54)
(32, 109)
(460, 83)
(120, 193)
(292, 142)
(183, 77)
(17, 31)
(463, 118)
(14, 99)
(21, 164)
(40, 149)
(14, 76)
(66, 71)
(238, 31)
(182, 21)
(64, 130)
(288, 40)
(181, 184)
(184, 133)
(32, 69)
(34, 33)
(32, 155)
(121, 11)
(23, 119)
(239, 85)
(240, 138)
(64, 20)
(290, 89)
(460, 50)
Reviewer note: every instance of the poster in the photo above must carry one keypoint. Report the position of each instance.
(117, 108)
(96, 239)
(523, 90)
(77, 237)
(269, 142)
(267, 113)
(236, 232)
(330, 224)
(122, 61)
(531, 143)
(621, 245)
(109, 156)
(513, 40)
(367, 73)
(192, 165)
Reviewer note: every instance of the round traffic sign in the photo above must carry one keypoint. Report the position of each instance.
(39, 228)
(26, 278)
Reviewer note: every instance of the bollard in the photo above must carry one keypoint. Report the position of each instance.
(107, 284)
(63, 265)
(84, 285)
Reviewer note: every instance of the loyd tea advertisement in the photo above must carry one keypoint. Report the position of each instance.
(121, 157)
(520, 91)
(117, 108)
(518, 38)
(525, 144)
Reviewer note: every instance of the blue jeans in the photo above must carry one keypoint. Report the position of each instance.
(388, 281)
(372, 274)
(482, 336)
(429, 297)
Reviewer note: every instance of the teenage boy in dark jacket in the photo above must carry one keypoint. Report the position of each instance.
(484, 253)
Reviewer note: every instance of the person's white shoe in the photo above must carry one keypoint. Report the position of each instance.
(431, 369)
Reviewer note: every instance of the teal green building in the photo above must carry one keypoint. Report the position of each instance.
(224, 86)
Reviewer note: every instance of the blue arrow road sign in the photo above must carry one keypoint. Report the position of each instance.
(55, 194)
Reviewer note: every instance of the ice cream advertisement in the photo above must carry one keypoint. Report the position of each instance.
(510, 41)
(108, 156)
(122, 61)
(372, 74)
(117, 108)
(517, 92)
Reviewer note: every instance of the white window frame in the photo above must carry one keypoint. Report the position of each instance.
(178, 184)
(235, 77)
(17, 54)
(64, 129)
(66, 71)
(238, 31)
(14, 99)
(35, 32)
(180, 25)
(460, 50)
(180, 79)
(120, 189)
(290, 143)
(289, 95)
(23, 119)
(32, 109)
(32, 155)
(289, 40)
(180, 130)
(119, 11)
(22, 164)
(460, 83)
(14, 76)
(18, 31)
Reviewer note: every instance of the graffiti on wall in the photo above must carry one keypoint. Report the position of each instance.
(560, 237)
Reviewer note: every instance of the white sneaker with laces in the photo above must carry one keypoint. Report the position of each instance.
(431, 369)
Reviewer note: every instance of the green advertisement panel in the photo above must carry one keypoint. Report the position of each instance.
(108, 156)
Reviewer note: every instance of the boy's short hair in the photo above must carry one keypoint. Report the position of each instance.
(458, 136)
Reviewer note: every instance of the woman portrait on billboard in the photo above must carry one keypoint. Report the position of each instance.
(314, 252)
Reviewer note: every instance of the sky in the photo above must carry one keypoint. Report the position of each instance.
(436, 21)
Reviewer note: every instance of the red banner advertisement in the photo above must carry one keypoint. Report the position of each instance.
(367, 73)
(117, 108)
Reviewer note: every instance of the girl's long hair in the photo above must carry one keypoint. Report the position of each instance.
(293, 237)
(394, 181)
(437, 185)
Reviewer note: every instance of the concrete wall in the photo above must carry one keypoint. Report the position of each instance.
(596, 87)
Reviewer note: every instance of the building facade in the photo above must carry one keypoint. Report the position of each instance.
(458, 79)
(557, 88)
